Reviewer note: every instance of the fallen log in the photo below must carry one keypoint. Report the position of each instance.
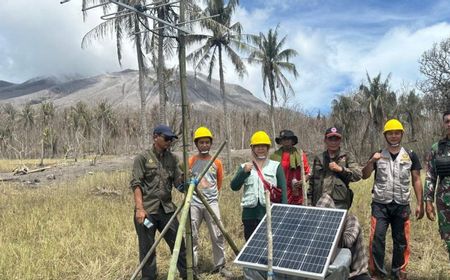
(25, 171)
(9, 179)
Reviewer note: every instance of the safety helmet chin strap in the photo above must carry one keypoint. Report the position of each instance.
(391, 144)
(258, 157)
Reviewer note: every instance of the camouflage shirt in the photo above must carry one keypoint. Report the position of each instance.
(335, 184)
(431, 179)
(155, 174)
(441, 191)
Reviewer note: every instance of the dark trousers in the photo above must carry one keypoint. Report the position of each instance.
(363, 276)
(397, 216)
(249, 227)
(146, 238)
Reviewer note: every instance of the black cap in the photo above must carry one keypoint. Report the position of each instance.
(164, 130)
(286, 134)
(333, 131)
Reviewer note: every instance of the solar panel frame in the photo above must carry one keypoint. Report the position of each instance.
(283, 265)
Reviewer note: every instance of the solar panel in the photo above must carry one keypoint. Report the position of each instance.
(304, 241)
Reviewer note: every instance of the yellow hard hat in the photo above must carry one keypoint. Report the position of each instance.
(260, 138)
(393, 124)
(202, 132)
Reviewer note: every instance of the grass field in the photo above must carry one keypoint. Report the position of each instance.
(71, 231)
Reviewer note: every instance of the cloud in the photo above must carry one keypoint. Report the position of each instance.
(398, 52)
(337, 42)
(40, 38)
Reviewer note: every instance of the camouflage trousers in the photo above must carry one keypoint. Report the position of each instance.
(443, 212)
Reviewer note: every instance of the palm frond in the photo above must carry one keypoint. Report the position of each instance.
(236, 61)
(99, 32)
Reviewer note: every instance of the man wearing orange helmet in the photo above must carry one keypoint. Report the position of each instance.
(210, 186)
(394, 166)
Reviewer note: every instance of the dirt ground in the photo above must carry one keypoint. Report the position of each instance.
(63, 172)
(69, 171)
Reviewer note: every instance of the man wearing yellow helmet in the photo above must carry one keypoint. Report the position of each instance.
(210, 186)
(394, 166)
(253, 200)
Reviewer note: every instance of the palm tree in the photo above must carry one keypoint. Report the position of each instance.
(47, 114)
(27, 118)
(411, 107)
(380, 103)
(346, 113)
(7, 130)
(124, 26)
(223, 38)
(81, 122)
(274, 60)
(164, 46)
(105, 117)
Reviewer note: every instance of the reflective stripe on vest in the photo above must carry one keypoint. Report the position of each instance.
(392, 182)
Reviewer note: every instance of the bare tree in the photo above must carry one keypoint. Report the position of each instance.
(435, 66)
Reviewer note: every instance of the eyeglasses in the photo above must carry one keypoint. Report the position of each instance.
(167, 138)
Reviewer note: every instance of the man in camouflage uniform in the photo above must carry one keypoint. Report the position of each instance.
(439, 167)
(155, 172)
(333, 170)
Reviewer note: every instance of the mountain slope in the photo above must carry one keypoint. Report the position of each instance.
(121, 90)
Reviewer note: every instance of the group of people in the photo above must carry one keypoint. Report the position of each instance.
(156, 171)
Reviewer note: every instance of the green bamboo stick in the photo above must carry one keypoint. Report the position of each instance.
(184, 215)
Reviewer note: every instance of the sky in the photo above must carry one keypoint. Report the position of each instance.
(338, 42)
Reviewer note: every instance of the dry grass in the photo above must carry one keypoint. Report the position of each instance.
(69, 231)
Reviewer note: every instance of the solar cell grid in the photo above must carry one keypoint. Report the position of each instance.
(304, 239)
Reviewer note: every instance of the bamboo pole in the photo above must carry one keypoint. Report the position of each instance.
(269, 237)
(160, 237)
(184, 215)
(304, 187)
(217, 221)
(184, 108)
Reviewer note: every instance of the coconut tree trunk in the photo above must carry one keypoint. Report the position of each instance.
(225, 112)
(272, 109)
(160, 71)
(41, 163)
(272, 117)
(143, 97)
(100, 140)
